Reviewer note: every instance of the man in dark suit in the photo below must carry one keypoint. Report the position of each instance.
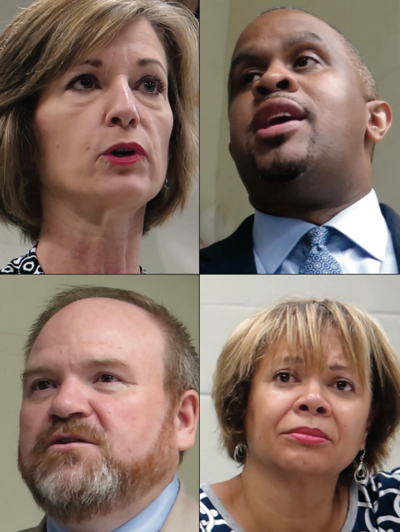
(109, 407)
(304, 119)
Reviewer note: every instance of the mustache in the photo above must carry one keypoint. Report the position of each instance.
(70, 426)
(309, 114)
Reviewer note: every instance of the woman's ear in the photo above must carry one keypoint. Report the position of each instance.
(379, 120)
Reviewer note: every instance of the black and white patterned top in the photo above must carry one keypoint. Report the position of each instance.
(29, 263)
(374, 507)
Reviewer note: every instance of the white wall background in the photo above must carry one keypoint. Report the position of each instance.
(228, 300)
(22, 298)
(373, 26)
(171, 248)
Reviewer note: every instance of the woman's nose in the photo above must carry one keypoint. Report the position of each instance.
(70, 400)
(313, 401)
(277, 78)
(121, 106)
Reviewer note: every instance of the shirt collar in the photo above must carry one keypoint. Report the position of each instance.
(274, 237)
(151, 519)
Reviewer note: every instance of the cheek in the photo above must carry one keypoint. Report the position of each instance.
(166, 131)
(30, 427)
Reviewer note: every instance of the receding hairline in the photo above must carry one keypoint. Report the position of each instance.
(153, 318)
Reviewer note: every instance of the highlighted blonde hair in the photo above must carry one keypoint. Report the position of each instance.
(52, 36)
(305, 324)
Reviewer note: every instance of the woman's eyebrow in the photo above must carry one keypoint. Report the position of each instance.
(98, 63)
(337, 367)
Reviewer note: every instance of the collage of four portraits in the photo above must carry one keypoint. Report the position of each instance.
(197, 198)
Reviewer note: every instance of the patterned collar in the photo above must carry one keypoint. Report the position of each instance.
(29, 263)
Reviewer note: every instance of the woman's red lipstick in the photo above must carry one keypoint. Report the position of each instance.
(125, 153)
(308, 435)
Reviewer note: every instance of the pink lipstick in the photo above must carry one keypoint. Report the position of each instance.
(308, 435)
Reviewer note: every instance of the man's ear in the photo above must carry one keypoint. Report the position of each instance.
(187, 415)
(379, 120)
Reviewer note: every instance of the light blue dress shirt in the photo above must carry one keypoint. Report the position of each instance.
(364, 244)
(150, 520)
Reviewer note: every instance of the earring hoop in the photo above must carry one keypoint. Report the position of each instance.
(361, 474)
(240, 453)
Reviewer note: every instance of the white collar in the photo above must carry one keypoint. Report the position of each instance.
(274, 237)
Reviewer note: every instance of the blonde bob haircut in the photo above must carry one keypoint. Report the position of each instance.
(49, 38)
(304, 324)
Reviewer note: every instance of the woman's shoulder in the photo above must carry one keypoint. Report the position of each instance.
(25, 264)
(379, 502)
(213, 516)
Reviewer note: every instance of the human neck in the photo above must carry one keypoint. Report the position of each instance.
(276, 503)
(107, 244)
(314, 214)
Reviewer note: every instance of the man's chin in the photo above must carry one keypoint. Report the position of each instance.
(282, 171)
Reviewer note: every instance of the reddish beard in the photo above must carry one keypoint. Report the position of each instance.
(70, 487)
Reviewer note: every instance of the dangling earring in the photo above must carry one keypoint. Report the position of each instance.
(361, 474)
(240, 453)
(166, 183)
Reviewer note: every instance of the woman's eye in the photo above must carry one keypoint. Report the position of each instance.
(151, 85)
(304, 61)
(344, 386)
(283, 376)
(85, 82)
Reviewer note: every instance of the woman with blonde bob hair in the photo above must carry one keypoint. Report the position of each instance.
(98, 136)
(307, 394)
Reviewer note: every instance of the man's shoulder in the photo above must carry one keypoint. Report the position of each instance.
(184, 515)
(234, 254)
(393, 222)
(39, 528)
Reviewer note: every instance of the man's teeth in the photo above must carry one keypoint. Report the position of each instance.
(277, 118)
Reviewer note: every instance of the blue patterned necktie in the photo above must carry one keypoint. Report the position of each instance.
(318, 259)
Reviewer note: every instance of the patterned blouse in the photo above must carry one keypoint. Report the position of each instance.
(374, 507)
(29, 263)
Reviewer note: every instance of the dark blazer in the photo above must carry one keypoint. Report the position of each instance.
(235, 253)
(183, 517)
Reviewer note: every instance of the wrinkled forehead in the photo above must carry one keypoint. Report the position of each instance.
(286, 28)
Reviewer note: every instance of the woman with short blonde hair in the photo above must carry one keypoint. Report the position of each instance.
(86, 203)
(307, 394)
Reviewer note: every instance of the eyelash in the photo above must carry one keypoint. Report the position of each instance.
(280, 373)
(159, 84)
(34, 386)
(247, 78)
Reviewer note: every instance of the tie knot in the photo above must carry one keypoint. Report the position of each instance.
(318, 236)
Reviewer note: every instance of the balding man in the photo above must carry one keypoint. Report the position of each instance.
(109, 407)
(304, 120)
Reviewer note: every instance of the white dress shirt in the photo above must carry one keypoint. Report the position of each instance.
(364, 243)
(150, 520)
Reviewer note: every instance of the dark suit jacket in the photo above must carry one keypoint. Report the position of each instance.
(235, 253)
(183, 517)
